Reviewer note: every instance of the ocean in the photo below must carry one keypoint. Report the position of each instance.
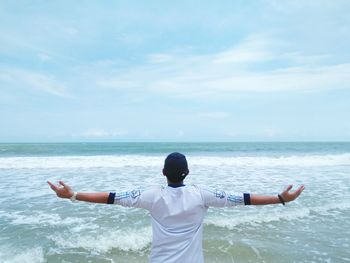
(36, 226)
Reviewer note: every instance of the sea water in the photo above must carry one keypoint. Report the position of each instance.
(36, 226)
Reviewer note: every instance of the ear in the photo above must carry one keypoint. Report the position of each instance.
(164, 172)
(187, 172)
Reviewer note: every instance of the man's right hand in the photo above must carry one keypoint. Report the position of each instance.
(62, 190)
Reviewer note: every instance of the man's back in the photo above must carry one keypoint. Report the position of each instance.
(177, 216)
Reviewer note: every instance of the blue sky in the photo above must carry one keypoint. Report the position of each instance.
(174, 71)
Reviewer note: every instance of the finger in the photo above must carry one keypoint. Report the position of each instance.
(288, 188)
(63, 184)
(53, 187)
(300, 189)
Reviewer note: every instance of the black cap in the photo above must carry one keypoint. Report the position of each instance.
(175, 167)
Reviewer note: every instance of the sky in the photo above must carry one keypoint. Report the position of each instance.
(174, 71)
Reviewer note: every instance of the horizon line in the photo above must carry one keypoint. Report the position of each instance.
(252, 141)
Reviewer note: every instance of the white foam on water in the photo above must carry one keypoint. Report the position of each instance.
(327, 208)
(256, 218)
(39, 218)
(30, 255)
(264, 161)
(77, 162)
(125, 240)
(263, 216)
(157, 161)
(80, 162)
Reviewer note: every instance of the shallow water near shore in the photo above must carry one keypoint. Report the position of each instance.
(35, 226)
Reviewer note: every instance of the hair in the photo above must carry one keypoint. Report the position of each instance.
(175, 167)
(176, 177)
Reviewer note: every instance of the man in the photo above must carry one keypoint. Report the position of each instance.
(177, 211)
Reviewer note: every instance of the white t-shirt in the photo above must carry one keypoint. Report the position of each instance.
(177, 216)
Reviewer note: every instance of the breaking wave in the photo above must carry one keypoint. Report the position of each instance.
(58, 162)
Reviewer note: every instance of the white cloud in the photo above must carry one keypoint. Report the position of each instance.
(231, 71)
(288, 79)
(253, 49)
(34, 80)
(101, 133)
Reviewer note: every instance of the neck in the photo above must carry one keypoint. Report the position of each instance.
(175, 184)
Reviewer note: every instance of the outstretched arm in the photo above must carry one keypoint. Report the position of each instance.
(65, 191)
(285, 196)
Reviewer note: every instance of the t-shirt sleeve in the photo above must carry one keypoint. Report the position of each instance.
(218, 198)
(139, 198)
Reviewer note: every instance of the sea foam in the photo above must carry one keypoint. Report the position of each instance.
(269, 215)
(57, 162)
(30, 255)
(39, 218)
(125, 240)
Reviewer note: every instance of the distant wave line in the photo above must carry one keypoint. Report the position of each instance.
(110, 161)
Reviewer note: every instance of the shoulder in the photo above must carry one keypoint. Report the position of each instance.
(151, 191)
(202, 188)
(195, 188)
